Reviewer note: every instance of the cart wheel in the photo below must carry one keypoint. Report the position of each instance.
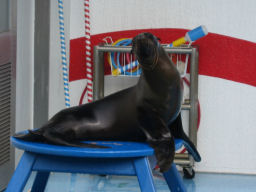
(189, 172)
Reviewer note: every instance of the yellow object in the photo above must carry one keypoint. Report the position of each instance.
(116, 72)
(179, 42)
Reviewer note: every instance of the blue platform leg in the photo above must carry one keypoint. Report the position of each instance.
(174, 180)
(144, 174)
(22, 173)
(40, 181)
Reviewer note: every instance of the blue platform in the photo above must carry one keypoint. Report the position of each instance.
(122, 158)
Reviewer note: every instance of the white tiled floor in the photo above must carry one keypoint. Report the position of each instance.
(64, 182)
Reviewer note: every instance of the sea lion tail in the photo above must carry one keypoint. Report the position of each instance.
(177, 131)
(30, 135)
(37, 136)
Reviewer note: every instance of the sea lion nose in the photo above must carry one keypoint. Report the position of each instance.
(140, 36)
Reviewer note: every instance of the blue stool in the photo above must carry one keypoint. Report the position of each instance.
(123, 158)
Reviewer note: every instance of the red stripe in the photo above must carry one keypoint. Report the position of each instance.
(89, 85)
(82, 96)
(77, 59)
(87, 31)
(219, 56)
(89, 78)
(87, 39)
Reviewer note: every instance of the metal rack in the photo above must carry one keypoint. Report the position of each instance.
(190, 104)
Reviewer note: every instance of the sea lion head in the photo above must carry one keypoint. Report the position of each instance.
(145, 47)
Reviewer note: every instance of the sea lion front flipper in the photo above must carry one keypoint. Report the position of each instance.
(164, 152)
(159, 138)
(177, 131)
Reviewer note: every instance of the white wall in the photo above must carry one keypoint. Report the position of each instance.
(230, 17)
(226, 137)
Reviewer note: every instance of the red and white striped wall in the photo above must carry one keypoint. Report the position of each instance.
(227, 65)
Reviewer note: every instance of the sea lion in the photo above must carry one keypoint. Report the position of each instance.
(148, 111)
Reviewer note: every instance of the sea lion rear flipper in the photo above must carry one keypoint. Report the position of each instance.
(177, 131)
(38, 136)
(30, 135)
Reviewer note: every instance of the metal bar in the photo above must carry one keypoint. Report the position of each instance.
(193, 112)
(183, 159)
(5, 131)
(5, 111)
(5, 116)
(4, 140)
(5, 95)
(5, 105)
(5, 88)
(5, 77)
(5, 128)
(5, 122)
(4, 82)
(181, 155)
(98, 74)
(5, 98)
(5, 66)
(182, 162)
(125, 49)
(6, 70)
(185, 107)
(4, 157)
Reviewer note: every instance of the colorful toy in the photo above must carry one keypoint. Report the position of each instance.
(190, 36)
(131, 68)
(117, 69)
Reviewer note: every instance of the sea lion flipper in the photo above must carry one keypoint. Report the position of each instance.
(38, 135)
(159, 138)
(164, 152)
(177, 131)
(30, 135)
